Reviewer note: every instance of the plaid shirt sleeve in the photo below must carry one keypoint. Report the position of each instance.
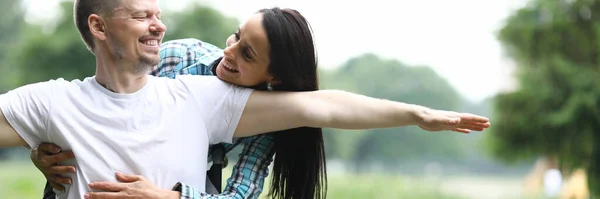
(194, 57)
(186, 56)
(248, 175)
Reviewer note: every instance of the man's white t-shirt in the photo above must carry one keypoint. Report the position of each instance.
(161, 132)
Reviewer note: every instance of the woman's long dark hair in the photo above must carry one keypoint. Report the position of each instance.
(299, 170)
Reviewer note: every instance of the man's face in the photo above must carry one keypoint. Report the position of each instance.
(135, 32)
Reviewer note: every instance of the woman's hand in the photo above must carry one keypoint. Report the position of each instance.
(46, 157)
(130, 187)
(438, 120)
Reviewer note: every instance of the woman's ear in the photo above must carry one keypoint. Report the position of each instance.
(274, 81)
(97, 27)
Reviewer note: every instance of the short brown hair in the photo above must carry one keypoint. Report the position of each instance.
(82, 9)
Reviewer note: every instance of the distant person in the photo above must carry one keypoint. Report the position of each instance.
(552, 183)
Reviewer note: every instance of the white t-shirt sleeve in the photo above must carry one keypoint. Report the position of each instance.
(27, 110)
(221, 104)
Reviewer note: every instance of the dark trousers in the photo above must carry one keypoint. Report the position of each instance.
(48, 192)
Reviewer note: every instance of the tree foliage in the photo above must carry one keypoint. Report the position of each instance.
(555, 111)
(390, 79)
(61, 53)
(11, 24)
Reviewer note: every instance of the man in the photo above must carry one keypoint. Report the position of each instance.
(248, 174)
(117, 120)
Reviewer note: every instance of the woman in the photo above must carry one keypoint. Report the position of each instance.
(274, 50)
(280, 56)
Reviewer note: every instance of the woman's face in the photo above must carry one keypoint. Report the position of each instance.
(246, 57)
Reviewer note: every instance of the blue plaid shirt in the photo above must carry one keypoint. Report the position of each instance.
(192, 56)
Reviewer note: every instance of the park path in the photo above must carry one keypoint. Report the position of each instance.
(482, 187)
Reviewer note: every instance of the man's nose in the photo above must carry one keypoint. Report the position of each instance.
(158, 26)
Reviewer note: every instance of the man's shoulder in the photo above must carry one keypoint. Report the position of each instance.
(204, 85)
(55, 85)
(40, 93)
(186, 81)
(194, 79)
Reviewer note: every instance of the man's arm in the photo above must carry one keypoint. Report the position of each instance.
(8, 136)
(23, 113)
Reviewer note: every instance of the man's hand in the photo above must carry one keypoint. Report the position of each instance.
(130, 187)
(46, 157)
(438, 120)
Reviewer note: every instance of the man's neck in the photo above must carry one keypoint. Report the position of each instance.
(119, 76)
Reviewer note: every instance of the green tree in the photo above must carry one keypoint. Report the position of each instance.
(11, 24)
(555, 111)
(204, 23)
(389, 79)
(62, 53)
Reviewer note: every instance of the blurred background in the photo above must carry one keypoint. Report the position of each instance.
(532, 67)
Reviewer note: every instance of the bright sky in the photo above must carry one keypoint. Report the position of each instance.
(456, 38)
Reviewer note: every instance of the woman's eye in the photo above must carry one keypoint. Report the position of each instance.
(237, 36)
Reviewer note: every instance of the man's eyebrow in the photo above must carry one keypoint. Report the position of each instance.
(135, 11)
(143, 11)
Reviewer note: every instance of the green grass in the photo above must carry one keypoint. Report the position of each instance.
(21, 180)
(377, 186)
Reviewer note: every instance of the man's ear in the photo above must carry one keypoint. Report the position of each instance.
(97, 27)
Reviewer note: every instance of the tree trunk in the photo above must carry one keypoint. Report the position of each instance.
(593, 172)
